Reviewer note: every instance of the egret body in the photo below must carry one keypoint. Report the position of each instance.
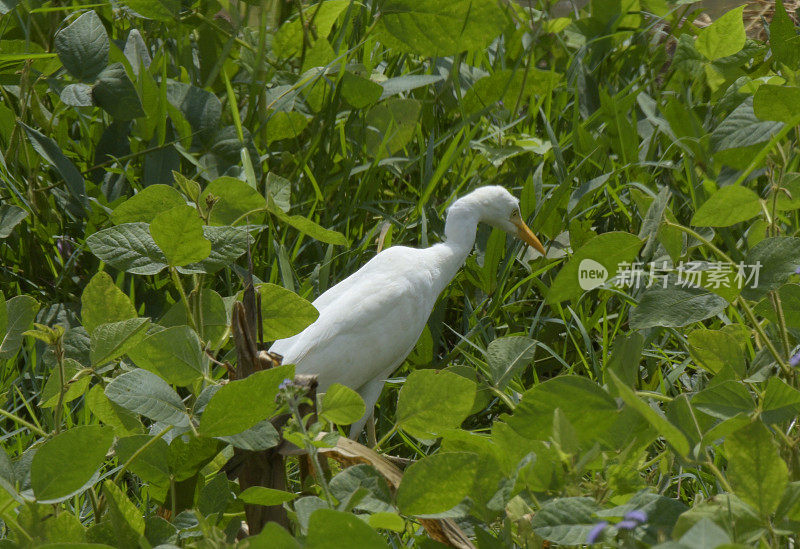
(370, 322)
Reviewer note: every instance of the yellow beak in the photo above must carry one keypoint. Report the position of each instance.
(527, 235)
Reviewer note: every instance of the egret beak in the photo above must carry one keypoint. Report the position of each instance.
(525, 234)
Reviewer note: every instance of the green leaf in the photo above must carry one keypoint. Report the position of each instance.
(51, 152)
(714, 349)
(201, 108)
(723, 37)
(608, 250)
(215, 317)
(178, 232)
(741, 128)
(289, 39)
(756, 470)
(565, 521)
(286, 125)
(438, 27)
(391, 125)
(308, 227)
(147, 394)
(781, 402)
(706, 534)
(359, 92)
(66, 464)
(327, 529)
(778, 257)
(675, 306)
(121, 420)
(342, 405)
(506, 356)
(437, 483)
(19, 314)
(125, 517)
(283, 312)
(49, 396)
(783, 39)
(243, 403)
(116, 94)
(146, 204)
(187, 455)
(102, 302)
(227, 244)
(778, 103)
(670, 432)
(259, 495)
(112, 340)
(589, 409)
(727, 206)
(150, 463)
(431, 401)
(724, 400)
(261, 436)
(10, 217)
(174, 354)
(160, 10)
(128, 247)
(509, 86)
(387, 521)
(234, 199)
(83, 46)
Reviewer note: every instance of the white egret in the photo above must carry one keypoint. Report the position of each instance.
(370, 322)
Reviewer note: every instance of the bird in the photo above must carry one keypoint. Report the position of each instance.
(370, 322)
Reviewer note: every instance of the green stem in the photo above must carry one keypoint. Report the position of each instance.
(173, 273)
(386, 437)
(139, 452)
(312, 451)
(21, 421)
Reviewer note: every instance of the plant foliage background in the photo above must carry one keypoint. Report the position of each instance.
(148, 146)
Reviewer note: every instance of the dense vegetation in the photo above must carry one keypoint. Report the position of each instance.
(638, 386)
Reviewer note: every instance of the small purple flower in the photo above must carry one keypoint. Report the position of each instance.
(795, 360)
(636, 515)
(627, 525)
(285, 384)
(596, 532)
(797, 270)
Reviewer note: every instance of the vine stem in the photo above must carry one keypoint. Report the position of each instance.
(21, 421)
(177, 282)
(748, 311)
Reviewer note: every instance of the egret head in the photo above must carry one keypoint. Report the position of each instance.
(497, 207)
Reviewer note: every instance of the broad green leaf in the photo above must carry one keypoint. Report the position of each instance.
(289, 39)
(67, 463)
(83, 46)
(433, 400)
(387, 521)
(723, 37)
(438, 27)
(724, 400)
(126, 519)
(342, 405)
(359, 92)
(259, 495)
(52, 389)
(10, 217)
(328, 529)
(407, 82)
(509, 86)
(783, 39)
(671, 433)
(603, 253)
(286, 125)
(102, 302)
(727, 206)
(626, 354)
(160, 10)
(77, 95)
(565, 521)
(128, 247)
(201, 108)
(506, 356)
(150, 463)
(4, 316)
(779, 103)
(366, 480)
(116, 94)
(19, 314)
(437, 483)
(186, 456)
(675, 306)
(283, 312)
(121, 420)
(742, 128)
(174, 354)
(243, 403)
(51, 152)
(261, 436)
(178, 232)
(756, 470)
(308, 227)
(111, 341)
(706, 534)
(271, 537)
(391, 125)
(144, 393)
(778, 258)
(215, 317)
(589, 409)
(234, 199)
(715, 349)
(146, 204)
(781, 402)
(227, 244)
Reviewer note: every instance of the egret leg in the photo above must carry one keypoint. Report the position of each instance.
(371, 439)
(370, 392)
